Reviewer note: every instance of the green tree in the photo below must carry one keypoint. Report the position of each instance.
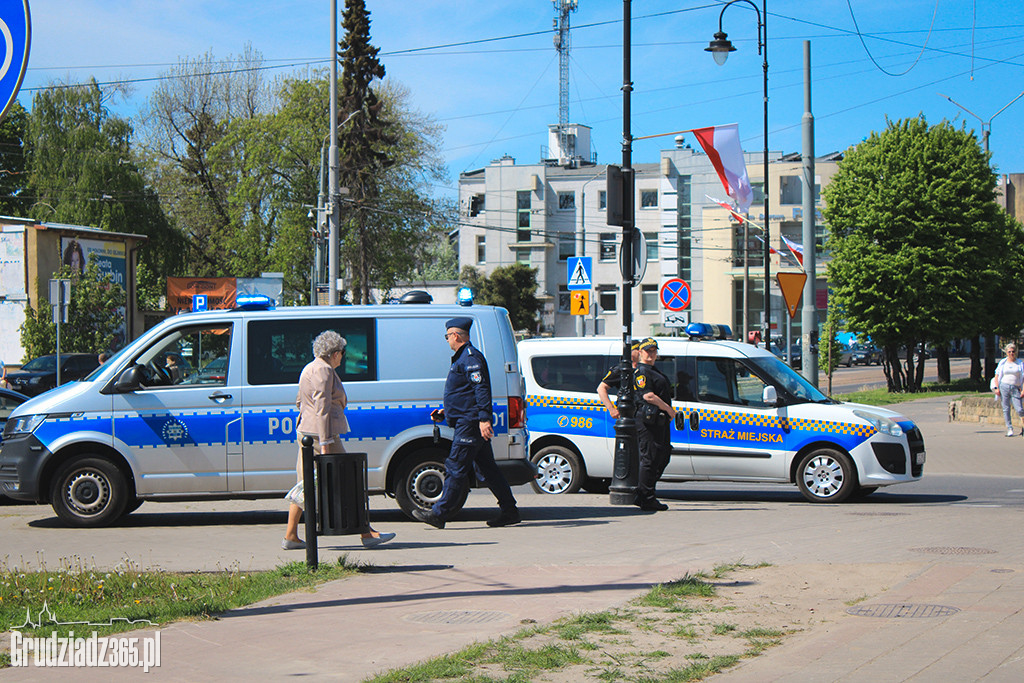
(919, 251)
(95, 317)
(829, 348)
(514, 287)
(13, 131)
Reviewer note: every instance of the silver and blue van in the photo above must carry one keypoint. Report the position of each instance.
(202, 406)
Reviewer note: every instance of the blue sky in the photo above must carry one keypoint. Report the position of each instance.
(498, 96)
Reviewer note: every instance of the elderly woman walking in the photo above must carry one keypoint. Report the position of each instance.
(321, 402)
(1008, 382)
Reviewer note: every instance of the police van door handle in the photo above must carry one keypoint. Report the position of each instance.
(219, 397)
(694, 419)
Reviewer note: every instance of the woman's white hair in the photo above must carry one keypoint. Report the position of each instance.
(327, 344)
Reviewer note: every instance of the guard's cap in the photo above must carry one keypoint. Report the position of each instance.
(635, 346)
(460, 323)
(648, 343)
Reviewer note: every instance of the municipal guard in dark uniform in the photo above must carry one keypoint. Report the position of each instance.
(613, 378)
(467, 408)
(653, 425)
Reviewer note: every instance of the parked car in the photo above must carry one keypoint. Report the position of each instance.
(795, 356)
(865, 354)
(40, 374)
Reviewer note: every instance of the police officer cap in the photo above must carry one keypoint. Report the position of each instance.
(460, 323)
(648, 343)
(635, 346)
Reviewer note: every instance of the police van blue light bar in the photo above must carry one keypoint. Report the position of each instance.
(708, 331)
(464, 296)
(253, 302)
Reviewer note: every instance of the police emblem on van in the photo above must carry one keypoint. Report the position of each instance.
(174, 432)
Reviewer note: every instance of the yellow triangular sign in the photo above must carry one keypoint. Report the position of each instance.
(792, 286)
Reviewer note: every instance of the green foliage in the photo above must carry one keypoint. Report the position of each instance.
(920, 252)
(827, 342)
(13, 132)
(95, 317)
(513, 287)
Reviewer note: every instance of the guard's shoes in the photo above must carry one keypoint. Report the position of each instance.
(374, 541)
(506, 518)
(428, 517)
(652, 505)
(292, 545)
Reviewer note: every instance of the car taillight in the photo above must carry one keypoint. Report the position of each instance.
(516, 412)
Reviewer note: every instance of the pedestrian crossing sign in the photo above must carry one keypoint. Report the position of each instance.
(580, 304)
(579, 269)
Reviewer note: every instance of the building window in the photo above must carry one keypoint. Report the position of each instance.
(566, 201)
(648, 199)
(607, 297)
(652, 246)
(683, 212)
(523, 216)
(790, 189)
(481, 249)
(566, 245)
(476, 205)
(523, 256)
(608, 245)
(649, 298)
(602, 200)
(563, 299)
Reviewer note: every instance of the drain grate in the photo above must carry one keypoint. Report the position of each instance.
(458, 617)
(902, 610)
(953, 550)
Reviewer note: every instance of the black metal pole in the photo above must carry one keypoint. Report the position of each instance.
(309, 493)
(624, 480)
(767, 220)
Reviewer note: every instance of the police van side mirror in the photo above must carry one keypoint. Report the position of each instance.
(130, 379)
(770, 395)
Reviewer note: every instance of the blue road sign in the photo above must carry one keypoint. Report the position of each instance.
(198, 302)
(16, 36)
(675, 294)
(580, 269)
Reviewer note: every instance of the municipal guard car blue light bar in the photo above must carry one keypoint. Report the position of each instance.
(708, 331)
(253, 302)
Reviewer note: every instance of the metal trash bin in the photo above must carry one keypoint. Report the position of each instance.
(342, 506)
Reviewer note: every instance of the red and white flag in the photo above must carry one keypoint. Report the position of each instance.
(725, 205)
(722, 145)
(797, 249)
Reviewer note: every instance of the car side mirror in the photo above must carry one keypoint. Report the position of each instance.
(129, 380)
(770, 395)
(680, 421)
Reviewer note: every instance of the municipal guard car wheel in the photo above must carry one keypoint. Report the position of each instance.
(826, 476)
(88, 492)
(558, 470)
(421, 480)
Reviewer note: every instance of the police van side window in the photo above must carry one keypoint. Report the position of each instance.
(188, 356)
(278, 349)
(570, 373)
(727, 380)
(679, 370)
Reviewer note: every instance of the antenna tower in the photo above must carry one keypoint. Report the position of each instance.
(563, 8)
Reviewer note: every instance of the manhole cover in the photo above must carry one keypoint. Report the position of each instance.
(953, 550)
(458, 617)
(902, 610)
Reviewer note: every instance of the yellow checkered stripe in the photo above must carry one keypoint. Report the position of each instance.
(561, 402)
(784, 423)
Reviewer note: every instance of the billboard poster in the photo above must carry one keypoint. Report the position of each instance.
(108, 256)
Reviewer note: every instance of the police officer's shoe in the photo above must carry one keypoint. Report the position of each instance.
(652, 505)
(506, 518)
(428, 517)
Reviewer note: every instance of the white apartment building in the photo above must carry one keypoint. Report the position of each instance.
(541, 214)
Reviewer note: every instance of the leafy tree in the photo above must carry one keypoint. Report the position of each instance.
(919, 252)
(13, 131)
(829, 348)
(95, 317)
(513, 287)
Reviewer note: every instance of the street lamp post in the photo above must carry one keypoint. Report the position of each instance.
(720, 48)
(581, 323)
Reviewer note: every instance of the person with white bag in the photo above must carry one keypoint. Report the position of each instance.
(321, 402)
(1007, 385)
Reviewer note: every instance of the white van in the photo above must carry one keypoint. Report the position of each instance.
(220, 423)
(744, 415)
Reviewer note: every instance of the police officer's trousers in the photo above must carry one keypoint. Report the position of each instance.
(655, 452)
(470, 450)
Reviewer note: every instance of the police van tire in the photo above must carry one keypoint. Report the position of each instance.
(558, 471)
(826, 475)
(420, 481)
(89, 491)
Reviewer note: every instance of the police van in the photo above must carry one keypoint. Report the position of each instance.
(743, 415)
(202, 406)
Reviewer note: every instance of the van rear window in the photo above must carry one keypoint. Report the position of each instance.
(571, 373)
(280, 348)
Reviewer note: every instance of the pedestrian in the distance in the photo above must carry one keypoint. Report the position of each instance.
(613, 378)
(653, 425)
(467, 408)
(1008, 384)
(321, 402)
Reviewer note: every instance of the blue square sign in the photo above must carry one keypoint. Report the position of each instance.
(199, 302)
(579, 269)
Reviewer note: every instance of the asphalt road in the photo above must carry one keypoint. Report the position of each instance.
(858, 377)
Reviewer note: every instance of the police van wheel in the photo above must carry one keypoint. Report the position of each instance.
(558, 471)
(89, 492)
(826, 476)
(421, 480)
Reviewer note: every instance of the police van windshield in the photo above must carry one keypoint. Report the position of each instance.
(788, 379)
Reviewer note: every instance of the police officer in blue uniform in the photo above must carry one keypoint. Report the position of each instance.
(467, 408)
(653, 425)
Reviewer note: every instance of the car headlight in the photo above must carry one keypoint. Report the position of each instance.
(25, 424)
(880, 422)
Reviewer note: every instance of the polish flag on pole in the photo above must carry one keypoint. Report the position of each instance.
(722, 145)
(797, 249)
(725, 205)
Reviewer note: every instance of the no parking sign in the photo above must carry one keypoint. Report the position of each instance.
(675, 294)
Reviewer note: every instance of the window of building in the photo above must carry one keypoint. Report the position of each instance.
(757, 189)
(790, 189)
(608, 245)
(683, 244)
(523, 216)
(652, 246)
(602, 200)
(481, 249)
(476, 205)
(563, 298)
(607, 297)
(648, 199)
(648, 298)
(523, 256)
(566, 245)
(566, 201)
